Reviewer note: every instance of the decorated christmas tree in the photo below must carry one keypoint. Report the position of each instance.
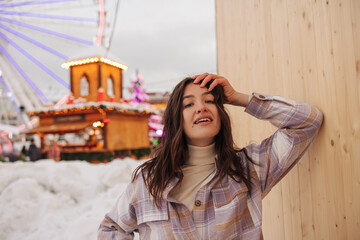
(137, 88)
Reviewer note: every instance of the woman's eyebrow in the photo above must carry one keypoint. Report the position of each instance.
(207, 93)
(188, 96)
(191, 95)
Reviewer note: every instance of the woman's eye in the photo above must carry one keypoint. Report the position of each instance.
(210, 101)
(188, 105)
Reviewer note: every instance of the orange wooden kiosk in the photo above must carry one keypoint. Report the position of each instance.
(95, 110)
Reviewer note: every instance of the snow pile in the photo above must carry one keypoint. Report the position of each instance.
(59, 200)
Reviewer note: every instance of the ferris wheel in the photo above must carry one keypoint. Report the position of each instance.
(36, 37)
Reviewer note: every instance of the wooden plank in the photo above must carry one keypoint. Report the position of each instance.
(354, 133)
(345, 59)
(325, 79)
(302, 62)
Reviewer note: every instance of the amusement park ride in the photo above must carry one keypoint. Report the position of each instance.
(35, 38)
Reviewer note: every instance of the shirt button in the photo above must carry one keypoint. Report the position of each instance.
(262, 96)
(198, 203)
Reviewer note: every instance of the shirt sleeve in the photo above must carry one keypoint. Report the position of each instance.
(298, 124)
(120, 222)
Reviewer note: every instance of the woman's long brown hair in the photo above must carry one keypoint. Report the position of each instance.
(172, 152)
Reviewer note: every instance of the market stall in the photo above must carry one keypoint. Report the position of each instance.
(94, 122)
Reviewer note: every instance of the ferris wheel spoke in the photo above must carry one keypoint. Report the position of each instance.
(114, 21)
(6, 5)
(22, 72)
(34, 60)
(38, 15)
(47, 31)
(36, 43)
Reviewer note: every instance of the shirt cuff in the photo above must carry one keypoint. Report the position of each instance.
(258, 104)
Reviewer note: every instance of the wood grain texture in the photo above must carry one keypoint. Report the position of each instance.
(307, 51)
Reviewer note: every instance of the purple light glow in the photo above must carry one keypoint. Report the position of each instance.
(38, 15)
(34, 60)
(46, 48)
(43, 30)
(159, 132)
(5, 5)
(156, 117)
(25, 76)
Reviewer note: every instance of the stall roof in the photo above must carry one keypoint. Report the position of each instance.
(59, 128)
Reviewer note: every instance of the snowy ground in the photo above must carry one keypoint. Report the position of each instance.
(59, 200)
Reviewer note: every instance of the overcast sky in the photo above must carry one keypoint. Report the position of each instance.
(165, 40)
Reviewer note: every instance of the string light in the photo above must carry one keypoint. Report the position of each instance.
(69, 64)
(98, 124)
(101, 109)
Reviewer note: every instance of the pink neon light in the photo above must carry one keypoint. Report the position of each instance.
(101, 23)
(20, 127)
(32, 122)
(61, 101)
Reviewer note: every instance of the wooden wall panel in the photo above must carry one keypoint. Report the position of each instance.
(108, 71)
(91, 71)
(308, 51)
(128, 131)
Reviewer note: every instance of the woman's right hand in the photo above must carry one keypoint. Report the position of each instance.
(232, 97)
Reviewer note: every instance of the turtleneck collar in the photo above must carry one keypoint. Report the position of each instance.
(199, 156)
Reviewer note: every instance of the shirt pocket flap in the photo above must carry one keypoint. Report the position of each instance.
(226, 193)
(148, 212)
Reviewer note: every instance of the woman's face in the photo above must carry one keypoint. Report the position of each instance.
(200, 116)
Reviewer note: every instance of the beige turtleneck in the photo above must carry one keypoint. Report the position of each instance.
(197, 171)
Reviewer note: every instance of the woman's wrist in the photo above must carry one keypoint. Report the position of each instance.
(240, 99)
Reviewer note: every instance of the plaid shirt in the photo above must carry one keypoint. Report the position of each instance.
(223, 209)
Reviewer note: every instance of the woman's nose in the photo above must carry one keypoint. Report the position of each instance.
(201, 108)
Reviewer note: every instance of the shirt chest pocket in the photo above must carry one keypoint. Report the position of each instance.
(231, 209)
(146, 211)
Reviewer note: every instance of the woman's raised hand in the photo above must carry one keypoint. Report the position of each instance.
(230, 93)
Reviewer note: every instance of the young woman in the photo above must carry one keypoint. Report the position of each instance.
(197, 185)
